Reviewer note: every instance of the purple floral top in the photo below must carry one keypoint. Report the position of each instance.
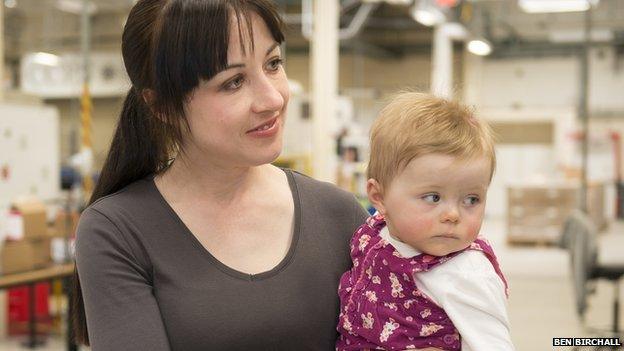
(381, 306)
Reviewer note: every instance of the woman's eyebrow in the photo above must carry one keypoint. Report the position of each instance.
(239, 65)
(234, 65)
(271, 48)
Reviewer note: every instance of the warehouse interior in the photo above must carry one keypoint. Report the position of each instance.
(549, 81)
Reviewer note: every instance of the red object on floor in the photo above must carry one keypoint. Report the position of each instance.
(19, 309)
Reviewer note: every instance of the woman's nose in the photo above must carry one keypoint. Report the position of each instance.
(268, 96)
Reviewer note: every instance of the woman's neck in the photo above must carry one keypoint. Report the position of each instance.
(213, 183)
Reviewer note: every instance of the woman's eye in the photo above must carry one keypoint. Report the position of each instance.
(471, 200)
(234, 83)
(432, 198)
(275, 64)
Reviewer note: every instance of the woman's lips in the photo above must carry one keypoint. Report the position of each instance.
(269, 128)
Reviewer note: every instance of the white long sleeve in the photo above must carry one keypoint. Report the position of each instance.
(472, 295)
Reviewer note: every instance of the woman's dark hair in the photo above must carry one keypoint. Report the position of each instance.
(168, 46)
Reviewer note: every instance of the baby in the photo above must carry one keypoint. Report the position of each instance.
(421, 276)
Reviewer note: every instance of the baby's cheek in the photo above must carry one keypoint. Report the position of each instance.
(413, 229)
(472, 229)
(422, 224)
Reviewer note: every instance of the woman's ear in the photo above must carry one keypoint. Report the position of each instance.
(148, 96)
(375, 195)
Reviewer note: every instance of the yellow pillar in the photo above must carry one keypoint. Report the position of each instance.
(85, 131)
(1, 51)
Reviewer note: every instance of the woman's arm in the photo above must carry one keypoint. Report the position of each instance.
(122, 312)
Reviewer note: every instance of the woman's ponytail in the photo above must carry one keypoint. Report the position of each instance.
(136, 152)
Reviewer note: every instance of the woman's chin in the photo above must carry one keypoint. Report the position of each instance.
(266, 156)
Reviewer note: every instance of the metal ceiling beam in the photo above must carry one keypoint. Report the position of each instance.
(527, 49)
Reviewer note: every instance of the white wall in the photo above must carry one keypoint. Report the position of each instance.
(546, 89)
(606, 83)
(29, 150)
(551, 82)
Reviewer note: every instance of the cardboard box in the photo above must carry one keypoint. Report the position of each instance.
(25, 255)
(536, 212)
(29, 220)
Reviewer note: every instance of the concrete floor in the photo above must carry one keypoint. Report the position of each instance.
(541, 303)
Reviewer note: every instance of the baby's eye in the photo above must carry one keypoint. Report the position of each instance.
(471, 200)
(432, 198)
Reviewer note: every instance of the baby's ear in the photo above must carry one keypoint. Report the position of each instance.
(375, 195)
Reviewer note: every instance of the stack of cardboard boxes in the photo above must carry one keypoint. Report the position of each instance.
(28, 242)
(536, 212)
(32, 244)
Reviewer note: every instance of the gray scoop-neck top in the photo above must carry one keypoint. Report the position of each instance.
(148, 283)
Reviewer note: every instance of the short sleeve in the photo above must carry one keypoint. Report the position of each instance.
(121, 310)
(473, 296)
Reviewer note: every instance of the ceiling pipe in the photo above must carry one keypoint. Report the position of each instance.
(351, 31)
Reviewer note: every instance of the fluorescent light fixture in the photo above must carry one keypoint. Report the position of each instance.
(10, 3)
(43, 58)
(427, 13)
(545, 6)
(391, 2)
(399, 2)
(75, 6)
(479, 47)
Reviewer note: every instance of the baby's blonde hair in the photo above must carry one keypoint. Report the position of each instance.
(415, 124)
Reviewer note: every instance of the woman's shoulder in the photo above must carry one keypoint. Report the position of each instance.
(113, 225)
(327, 191)
(137, 194)
(122, 214)
(336, 207)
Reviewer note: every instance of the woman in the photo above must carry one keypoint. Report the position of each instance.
(215, 249)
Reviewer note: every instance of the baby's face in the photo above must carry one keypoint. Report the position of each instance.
(436, 203)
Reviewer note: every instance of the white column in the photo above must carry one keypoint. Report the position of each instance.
(473, 77)
(324, 73)
(442, 58)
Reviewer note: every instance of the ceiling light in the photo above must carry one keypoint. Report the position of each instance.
(75, 6)
(391, 2)
(428, 17)
(427, 13)
(46, 59)
(479, 47)
(544, 6)
(399, 2)
(10, 3)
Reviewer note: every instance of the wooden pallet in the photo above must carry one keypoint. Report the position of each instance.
(531, 241)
